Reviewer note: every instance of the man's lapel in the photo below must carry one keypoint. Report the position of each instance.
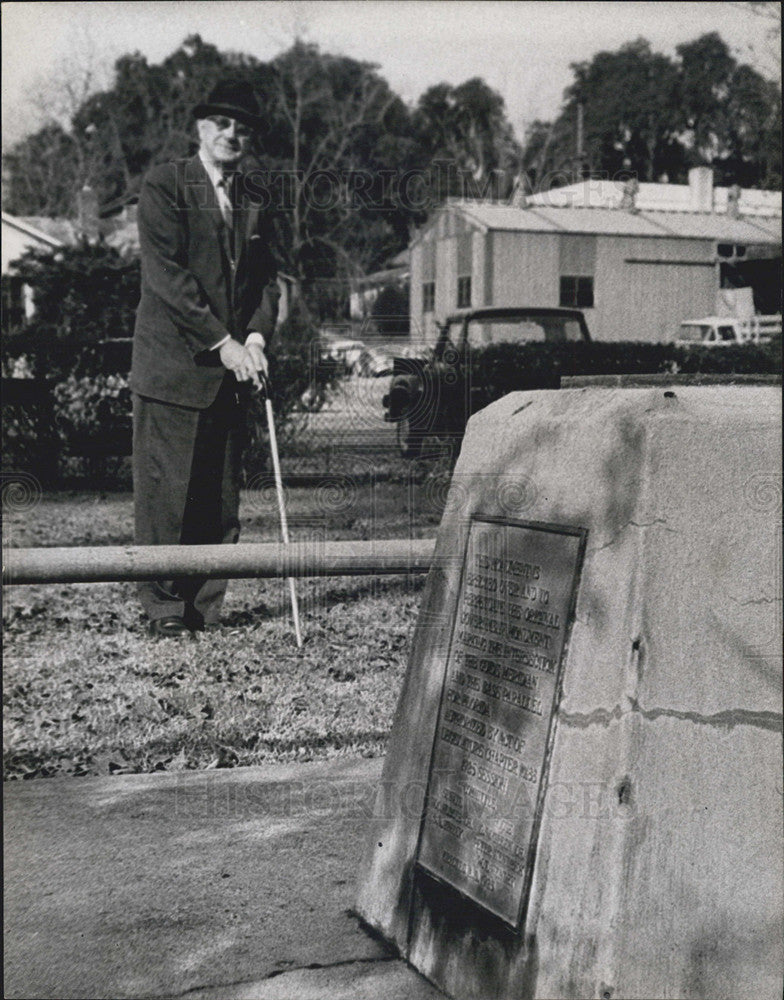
(245, 217)
(204, 192)
(246, 211)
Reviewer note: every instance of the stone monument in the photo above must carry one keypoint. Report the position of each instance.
(582, 795)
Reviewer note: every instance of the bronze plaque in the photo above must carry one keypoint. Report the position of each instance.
(501, 689)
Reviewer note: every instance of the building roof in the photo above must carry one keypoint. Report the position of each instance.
(390, 275)
(616, 222)
(655, 198)
(693, 225)
(401, 259)
(65, 231)
(120, 233)
(30, 227)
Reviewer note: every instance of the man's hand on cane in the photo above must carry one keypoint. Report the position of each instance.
(241, 361)
(259, 358)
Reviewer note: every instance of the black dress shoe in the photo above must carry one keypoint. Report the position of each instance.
(171, 627)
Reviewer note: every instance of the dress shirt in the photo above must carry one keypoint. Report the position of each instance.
(219, 179)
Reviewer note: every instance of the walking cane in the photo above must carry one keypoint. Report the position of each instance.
(284, 527)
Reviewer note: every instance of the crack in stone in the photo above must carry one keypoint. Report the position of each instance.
(601, 548)
(332, 965)
(755, 600)
(650, 524)
(599, 716)
(632, 524)
(194, 991)
(727, 719)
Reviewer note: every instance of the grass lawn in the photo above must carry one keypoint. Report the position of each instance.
(88, 692)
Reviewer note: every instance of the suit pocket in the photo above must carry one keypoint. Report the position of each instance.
(208, 359)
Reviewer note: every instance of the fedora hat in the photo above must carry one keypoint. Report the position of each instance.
(235, 99)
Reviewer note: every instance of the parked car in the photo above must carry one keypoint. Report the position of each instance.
(374, 362)
(721, 331)
(432, 397)
(343, 349)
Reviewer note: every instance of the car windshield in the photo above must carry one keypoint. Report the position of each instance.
(531, 329)
(694, 332)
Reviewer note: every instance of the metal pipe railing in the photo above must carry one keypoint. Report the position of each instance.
(108, 564)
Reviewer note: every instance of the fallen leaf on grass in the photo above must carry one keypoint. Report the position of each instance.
(341, 676)
(291, 699)
(145, 706)
(115, 768)
(179, 761)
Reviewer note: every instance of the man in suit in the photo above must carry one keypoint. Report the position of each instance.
(206, 315)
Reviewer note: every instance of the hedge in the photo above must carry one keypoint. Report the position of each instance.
(78, 402)
(83, 407)
(498, 369)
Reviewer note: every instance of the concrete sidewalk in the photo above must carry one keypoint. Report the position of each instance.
(213, 884)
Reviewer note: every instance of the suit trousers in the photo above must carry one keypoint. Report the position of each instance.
(186, 474)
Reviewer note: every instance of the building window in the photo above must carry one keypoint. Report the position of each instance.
(576, 292)
(731, 250)
(464, 292)
(428, 296)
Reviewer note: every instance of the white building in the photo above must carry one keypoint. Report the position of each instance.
(699, 195)
(18, 236)
(119, 232)
(632, 261)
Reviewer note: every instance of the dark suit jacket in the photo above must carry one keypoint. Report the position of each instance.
(195, 290)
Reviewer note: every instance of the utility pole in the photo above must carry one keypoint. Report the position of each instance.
(580, 168)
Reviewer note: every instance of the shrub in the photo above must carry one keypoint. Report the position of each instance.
(84, 297)
(92, 414)
(746, 359)
(450, 390)
(498, 369)
(29, 441)
(49, 356)
(82, 294)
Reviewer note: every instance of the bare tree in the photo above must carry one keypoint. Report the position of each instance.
(767, 56)
(57, 160)
(309, 86)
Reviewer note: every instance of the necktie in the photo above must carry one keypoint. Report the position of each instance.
(224, 201)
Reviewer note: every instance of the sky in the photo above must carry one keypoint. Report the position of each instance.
(521, 49)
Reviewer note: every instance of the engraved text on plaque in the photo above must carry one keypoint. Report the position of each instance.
(501, 680)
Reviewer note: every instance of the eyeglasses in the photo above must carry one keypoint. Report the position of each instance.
(222, 123)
